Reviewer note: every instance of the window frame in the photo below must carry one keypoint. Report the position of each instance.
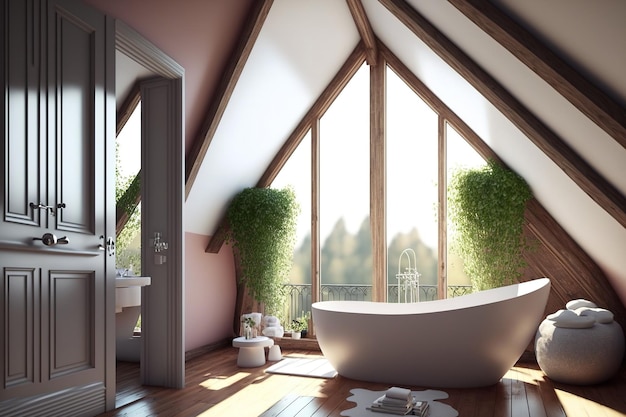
(311, 123)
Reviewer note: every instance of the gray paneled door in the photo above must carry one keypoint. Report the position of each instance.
(57, 205)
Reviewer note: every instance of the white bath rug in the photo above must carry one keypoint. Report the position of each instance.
(313, 367)
(364, 398)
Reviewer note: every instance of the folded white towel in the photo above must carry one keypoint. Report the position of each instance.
(578, 303)
(601, 315)
(274, 331)
(398, 393)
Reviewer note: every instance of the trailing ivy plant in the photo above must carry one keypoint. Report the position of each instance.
(263, 231)
(486, 207)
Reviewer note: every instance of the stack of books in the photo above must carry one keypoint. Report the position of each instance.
(399, 401)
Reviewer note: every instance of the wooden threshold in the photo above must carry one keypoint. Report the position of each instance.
(215, 386)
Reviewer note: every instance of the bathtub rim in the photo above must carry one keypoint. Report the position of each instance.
(477, 299)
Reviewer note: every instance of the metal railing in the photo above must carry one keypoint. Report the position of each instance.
(299, 295)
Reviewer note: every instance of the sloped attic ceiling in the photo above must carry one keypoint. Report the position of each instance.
(596, 231)
(300, 48)
(302, 45)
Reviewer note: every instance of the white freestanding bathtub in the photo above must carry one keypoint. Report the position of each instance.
(468, 341)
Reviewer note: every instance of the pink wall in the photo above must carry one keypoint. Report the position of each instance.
(198, 34)
(210, 293)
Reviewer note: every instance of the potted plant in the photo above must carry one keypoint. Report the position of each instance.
(298, 326)
(486, 207)
(249, 328)
(262, 231)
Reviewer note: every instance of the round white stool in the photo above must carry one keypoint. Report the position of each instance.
(252, 351)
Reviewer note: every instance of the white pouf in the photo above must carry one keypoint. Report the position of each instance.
(274, 353)
(573, 349)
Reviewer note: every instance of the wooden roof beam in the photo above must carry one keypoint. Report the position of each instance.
(250, 33)
(128, 107)
(574, 166)
(365, 30)
(578, 90)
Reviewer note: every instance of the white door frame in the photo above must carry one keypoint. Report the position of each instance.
(136, 47)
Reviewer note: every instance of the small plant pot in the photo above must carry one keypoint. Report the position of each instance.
(296, 335)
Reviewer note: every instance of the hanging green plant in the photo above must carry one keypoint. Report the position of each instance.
(263, 231)
(128, 197)
(486, 207)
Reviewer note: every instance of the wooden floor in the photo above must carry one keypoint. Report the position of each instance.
(217, 387)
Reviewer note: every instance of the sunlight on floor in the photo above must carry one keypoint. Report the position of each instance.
(243, 401)
(522, 375)
(217, 383)
(573, 404)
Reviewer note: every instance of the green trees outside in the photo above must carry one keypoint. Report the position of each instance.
(347, 257)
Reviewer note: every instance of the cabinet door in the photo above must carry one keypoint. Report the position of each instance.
(54, 337)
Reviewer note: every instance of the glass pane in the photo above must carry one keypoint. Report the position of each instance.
(297, 174)
(128, 164)
(460, 156)
(346, 253)
(412, 159)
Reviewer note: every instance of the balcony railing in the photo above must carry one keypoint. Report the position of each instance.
(299, 295)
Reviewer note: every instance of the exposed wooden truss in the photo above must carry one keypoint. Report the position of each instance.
(365, 30)
(582, 93)
(378, 179)
(584, 175)
(252, 28)
(128, 107)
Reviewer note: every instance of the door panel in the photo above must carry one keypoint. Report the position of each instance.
(21, 121)
(57, 307)
(18, 296)
(72, 314)
(76, 83)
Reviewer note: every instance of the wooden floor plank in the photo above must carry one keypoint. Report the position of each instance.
(481, 403)
(502, 405)
(216, 386)
(279, 406)
(519, 394)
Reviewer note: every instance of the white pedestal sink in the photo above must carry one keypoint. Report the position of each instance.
(128, 291)
(128, 309)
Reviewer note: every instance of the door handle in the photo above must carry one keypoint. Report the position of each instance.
(50, 239)
(42, 206)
